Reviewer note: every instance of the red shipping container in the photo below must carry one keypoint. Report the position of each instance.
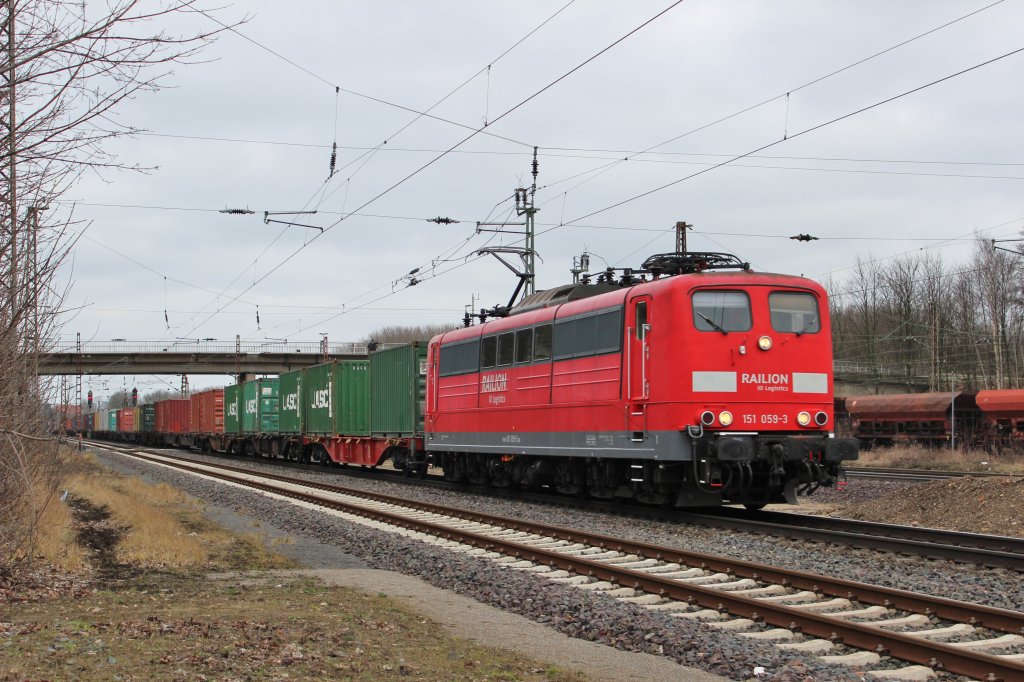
(172, 416)
(207, 411)
(125, 420)
(160, 416)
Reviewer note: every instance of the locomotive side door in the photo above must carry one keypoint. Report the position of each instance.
(638, 329)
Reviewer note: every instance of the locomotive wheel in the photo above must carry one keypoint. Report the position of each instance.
(750, 506)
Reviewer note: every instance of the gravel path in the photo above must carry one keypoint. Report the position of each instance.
(590, 616)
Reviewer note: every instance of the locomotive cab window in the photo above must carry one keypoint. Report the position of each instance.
(721, 311)
(506, 348)
(488, 352)
(460, 358)
(542, 343)
(524, 345)
(795, 312)
(641, 320)
(588, 334)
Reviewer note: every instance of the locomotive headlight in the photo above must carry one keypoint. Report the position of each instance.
(764, 343)
(803, 419)
(707, 418)
(820, 418)
(725, 417)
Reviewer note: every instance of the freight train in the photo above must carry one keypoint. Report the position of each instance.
(691, 381)
(992, 420)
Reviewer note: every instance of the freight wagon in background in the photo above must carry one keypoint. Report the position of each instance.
(975, 419)
(926, 418)
(1003, 417)
(207, 419)
(344, 412)
(173, 422)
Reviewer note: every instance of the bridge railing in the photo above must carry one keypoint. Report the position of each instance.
(214, 347)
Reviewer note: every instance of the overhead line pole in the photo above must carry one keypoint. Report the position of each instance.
(12, 196)
(529, 209)
(681, 228)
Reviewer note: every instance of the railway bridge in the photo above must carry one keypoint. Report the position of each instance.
(205, 356)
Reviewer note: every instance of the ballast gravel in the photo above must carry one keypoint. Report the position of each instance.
(588, 615)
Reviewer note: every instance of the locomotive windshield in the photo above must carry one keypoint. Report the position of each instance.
(794, 312)
(721, 311)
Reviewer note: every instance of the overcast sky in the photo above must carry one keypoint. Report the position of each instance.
(253, 129)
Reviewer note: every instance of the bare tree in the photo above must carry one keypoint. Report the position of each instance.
(409, 333)
(964, 324)
(158, 395)
(65, 69)
(997, 278)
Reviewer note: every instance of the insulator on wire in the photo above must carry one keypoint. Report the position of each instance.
(334, 158)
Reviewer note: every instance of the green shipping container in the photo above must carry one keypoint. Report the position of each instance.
(336, 398)
(111, 420)
(147, 413)
(270, 405)
(397, 390)
(249, 406)
(317, 399)
(260, 406)
(292, 419)
(352, 397)
(270, 415)
(232, 411)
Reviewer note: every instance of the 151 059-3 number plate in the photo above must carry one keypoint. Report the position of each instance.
(764, 419)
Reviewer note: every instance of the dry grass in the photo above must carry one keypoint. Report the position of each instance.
(943, 459)
(162, 526)
(155, 534)
(55, 541)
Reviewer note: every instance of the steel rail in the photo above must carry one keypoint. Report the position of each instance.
(892, 474)
(898, 645)
(989, 550)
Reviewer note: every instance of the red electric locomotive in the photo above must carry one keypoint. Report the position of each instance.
(689, 382)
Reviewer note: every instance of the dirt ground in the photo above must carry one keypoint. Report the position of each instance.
(980, 505)
(990, 505)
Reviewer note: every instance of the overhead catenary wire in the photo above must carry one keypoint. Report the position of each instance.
(472, 134)
(801, 133)
(938, 243)
(322, 190)
(586, 153)
(787, 94)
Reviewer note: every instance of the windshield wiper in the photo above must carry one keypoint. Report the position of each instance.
(711, 322)
(810, 323)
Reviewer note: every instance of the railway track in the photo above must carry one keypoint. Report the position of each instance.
(973, 548)
(800, 611)
(987, 550)
(912, 475)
